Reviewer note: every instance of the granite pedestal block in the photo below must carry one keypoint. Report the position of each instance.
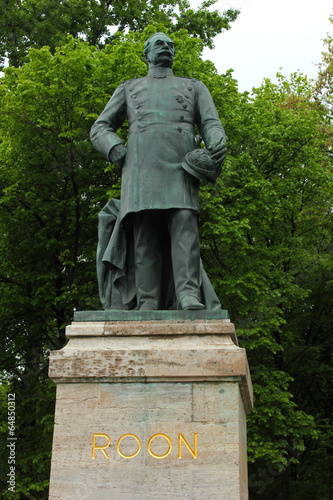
(150, 409)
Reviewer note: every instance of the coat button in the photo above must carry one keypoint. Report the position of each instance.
(179, 129)
(184, 106)
(182, 118)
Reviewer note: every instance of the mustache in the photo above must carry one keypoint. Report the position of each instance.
(165, 52)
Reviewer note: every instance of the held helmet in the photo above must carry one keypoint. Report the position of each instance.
(200, 164)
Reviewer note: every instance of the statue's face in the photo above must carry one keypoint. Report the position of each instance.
(161, 51)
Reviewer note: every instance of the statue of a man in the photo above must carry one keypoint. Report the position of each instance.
(160, 176)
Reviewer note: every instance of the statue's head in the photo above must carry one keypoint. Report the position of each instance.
(159, 50)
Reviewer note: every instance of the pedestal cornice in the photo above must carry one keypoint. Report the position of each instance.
(167, 350)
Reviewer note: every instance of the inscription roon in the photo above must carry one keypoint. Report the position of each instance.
(102, 442)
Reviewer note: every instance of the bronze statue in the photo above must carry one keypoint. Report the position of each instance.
(149, 256)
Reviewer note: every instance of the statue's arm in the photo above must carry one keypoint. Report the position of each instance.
(103, 132)
(210, 125)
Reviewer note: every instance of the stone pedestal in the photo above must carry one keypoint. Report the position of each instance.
(150, 408)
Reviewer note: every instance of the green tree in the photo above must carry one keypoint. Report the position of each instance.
(35, 23)
(324, 83)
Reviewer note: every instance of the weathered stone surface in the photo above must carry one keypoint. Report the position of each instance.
(148, 328)
(175, 401)
(152, 351)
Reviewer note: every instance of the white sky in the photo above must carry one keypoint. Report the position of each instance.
(269, 35)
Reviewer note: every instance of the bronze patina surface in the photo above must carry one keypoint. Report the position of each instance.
(148, 255)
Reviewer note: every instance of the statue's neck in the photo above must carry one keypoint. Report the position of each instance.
(159, 71)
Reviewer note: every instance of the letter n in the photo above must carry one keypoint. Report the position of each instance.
(181, 440)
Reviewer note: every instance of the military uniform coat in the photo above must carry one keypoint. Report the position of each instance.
(162, 111)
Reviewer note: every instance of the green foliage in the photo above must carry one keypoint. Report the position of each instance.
(35, 23)
(324, 84)
(275, 410)
(204, 22)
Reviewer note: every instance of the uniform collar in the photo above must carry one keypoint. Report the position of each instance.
(159, 72)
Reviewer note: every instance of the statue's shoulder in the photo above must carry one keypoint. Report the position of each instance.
(190, 82)
(133, 80)
(189, 79)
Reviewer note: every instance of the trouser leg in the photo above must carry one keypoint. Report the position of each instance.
(185, 255)
(148, 259)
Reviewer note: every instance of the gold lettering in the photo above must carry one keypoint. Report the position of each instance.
(154, 454)
(120, 440)
(102, 448)
(181, 440)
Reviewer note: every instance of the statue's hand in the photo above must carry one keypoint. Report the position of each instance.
(117, 156)
(218, 151)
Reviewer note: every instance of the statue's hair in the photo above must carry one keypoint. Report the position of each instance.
(147, 44)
